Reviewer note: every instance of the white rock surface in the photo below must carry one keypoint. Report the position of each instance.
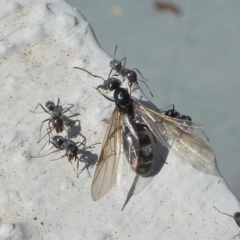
(41, 42)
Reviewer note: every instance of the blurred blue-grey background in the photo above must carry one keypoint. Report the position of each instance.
(190, 52)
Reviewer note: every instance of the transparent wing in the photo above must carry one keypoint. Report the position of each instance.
(124, 171)
(107, 168)
(189, 126)
(185, 146)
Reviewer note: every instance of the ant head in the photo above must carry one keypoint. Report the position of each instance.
(116, 65)
(172, 113)
(121, 97)
(71, 151)
(58, 141)
(113, 83)
(50, 106)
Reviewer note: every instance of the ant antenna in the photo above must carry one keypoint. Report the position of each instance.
(223, 213)
(113, 60)
(89, 73)
(115, 52)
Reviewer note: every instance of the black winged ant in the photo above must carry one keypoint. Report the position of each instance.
(135, 130)
(72, 150)
(124, 135)
(57, 120)
(126, 73)
(175, 114)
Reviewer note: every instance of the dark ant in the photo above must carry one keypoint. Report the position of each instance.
(109, 83)
(57, 119)
(126, 73)
(175, 114)
(72, 151)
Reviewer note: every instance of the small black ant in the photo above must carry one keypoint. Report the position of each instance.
(110, 83)
(175, 114)
(72, 151)
(126, 73)
(57, 119)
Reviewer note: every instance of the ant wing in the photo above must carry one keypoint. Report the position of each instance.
(107, 168)
(124, 172)
(190, 127)
(182, 144)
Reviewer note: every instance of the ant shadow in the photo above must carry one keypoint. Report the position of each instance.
(88, 158)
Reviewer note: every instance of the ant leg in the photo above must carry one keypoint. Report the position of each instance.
(58, 101)
(39, 104)
(43, 147)
(110, 73)
(116, 74)
(54, 145)
(91, 146)
(140, 74)
(108, 98)
(42, 138)
(74, 115)
(124, 60)
(72, 164)
(46, 154)
(146, 86)
(67, 109)
(165, 109)
(130, 87)
(59, 157)
(49, 130)
(42, 125)
(205, 135)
